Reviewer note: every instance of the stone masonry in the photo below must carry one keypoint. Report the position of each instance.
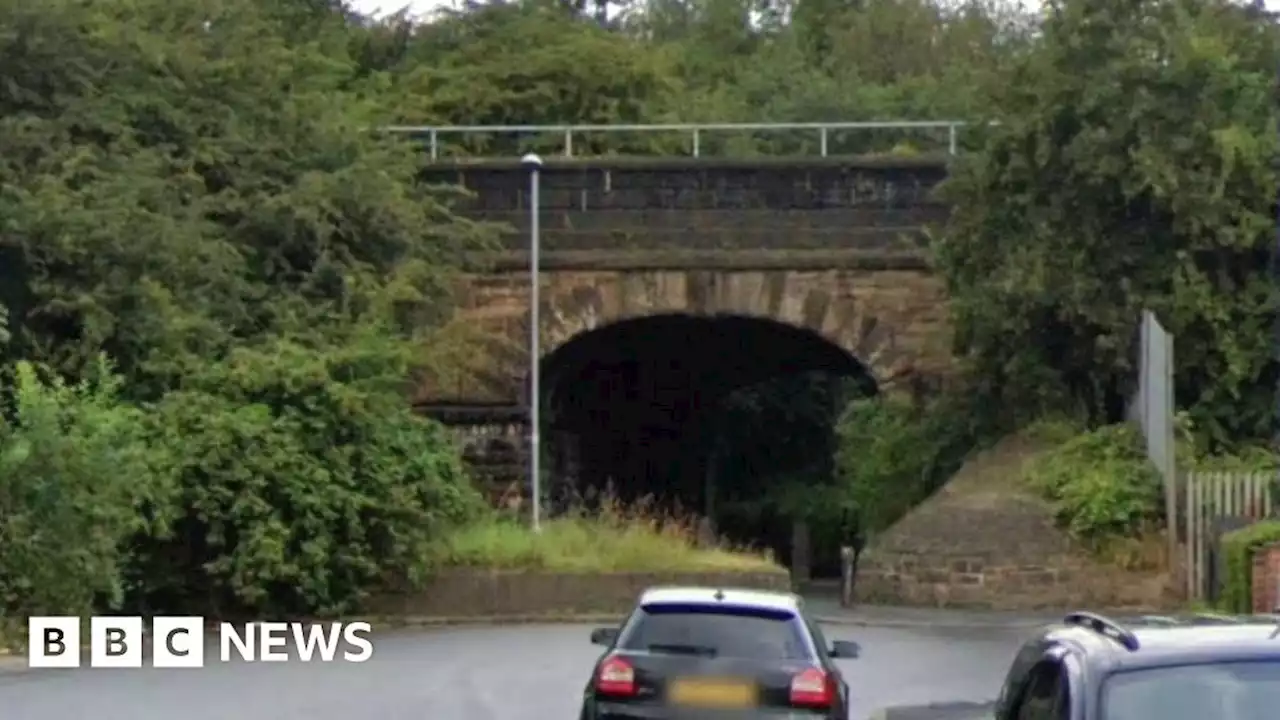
(834, 246)
(985, 540)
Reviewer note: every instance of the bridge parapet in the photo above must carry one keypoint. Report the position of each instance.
(824, 139)
(701, 204)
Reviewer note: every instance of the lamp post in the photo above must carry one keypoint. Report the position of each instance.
(533, 164)
(1270, 19)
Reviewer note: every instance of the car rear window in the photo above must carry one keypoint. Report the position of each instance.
(1222, 691)
(724, 631)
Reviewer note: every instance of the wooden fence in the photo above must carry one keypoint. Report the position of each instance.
(1212, 496)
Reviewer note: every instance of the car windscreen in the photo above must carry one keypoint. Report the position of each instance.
(717, 631)
(1222, 691)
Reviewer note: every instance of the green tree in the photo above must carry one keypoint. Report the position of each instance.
(181, 177)
(1129, 169)
(527, 64)
(194, 189)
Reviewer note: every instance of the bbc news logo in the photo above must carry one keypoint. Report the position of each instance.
(179, 642)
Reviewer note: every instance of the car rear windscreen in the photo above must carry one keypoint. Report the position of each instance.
(717, 630)
(1222, 691)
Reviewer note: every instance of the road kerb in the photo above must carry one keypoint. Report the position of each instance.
(961, 710)
(495, 620)
(910, 623)
(613, 619)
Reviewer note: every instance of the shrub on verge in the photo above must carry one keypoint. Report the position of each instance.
(1238, 547)
(304, 484)
(1100, 484)
(77, 482)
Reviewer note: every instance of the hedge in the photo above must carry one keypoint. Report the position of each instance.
(1238, 547)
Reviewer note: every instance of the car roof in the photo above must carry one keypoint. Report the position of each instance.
(1159, 641)
(737, 597)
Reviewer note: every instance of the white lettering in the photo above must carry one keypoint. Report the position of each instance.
(308, 638)
(354, 635)
(244, 644)
(273, 642)
(270, 641)
(177, 642)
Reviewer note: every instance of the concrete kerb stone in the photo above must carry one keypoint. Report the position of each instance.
(614, 618)
(938, 711)
(11, 663)
(1022, 623)
(495, 620)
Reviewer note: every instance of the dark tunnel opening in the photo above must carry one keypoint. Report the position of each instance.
(720, 416)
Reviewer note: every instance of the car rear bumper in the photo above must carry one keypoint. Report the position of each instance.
(626, 711)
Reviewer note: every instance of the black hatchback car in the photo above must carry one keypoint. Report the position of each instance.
(706, 652)
(1196, 667)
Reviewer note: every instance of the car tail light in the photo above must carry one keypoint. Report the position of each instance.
(616, 677)
(813, 688)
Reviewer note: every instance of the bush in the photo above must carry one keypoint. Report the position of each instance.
(304, 485)
(893, 454)
(77, 482)
(1100, 482)
(614, 538)
(880, 460)
(1238, 548)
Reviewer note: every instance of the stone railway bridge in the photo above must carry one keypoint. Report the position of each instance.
(667, 283)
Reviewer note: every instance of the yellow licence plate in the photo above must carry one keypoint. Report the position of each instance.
(713, 693)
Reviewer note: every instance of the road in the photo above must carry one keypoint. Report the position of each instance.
(477, 673)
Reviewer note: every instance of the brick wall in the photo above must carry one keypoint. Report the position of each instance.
(1266, 579)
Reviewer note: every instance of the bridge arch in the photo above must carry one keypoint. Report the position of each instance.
(832, 305)
(681, 364)
(645, 406)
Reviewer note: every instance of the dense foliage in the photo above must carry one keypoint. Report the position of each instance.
(685, 61)
(216, 280)
(191, 190)
(78, 474)
(1130, 167)
(1100, 483)
(1237, 549)
(893, 452)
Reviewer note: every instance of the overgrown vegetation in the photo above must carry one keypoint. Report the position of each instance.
(1238, 548)
(1130, 168)
(1125, 163)
(55, 496)
(189, 189)
(611, 537)
(216, 282)
(1100, 483)
(894, 453)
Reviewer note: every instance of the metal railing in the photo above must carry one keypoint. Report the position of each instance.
(695, 132)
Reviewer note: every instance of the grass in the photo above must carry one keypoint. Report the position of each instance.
(1146, 550)
(613, 537)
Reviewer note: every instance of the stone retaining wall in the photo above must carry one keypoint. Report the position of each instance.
(1066, 581)
(463, 594)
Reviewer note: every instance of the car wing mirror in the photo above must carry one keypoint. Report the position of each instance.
(604, 636)
(845, 649)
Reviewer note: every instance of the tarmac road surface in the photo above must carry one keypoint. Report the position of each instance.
(528, 672)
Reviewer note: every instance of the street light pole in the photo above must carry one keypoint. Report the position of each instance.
(1269, 19)
(534, 164)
